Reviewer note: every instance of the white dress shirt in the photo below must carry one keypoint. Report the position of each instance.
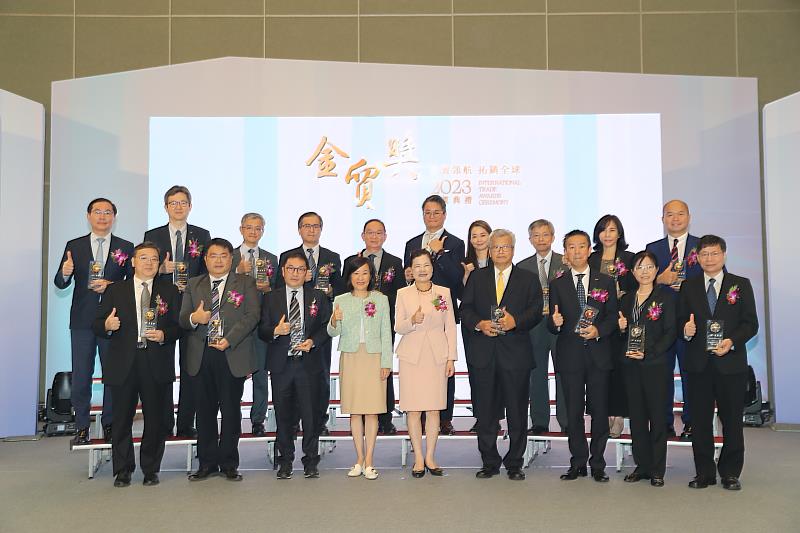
(173, 237)
(137, 291)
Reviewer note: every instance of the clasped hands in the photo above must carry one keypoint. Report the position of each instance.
(489, 328)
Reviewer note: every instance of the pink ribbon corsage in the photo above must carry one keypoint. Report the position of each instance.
(370, 309)
(270, 269)
(654, 311)
(692, 257)
(619, 266)
(313, 309)
(195, 248)
(119, 256)
(161, 305)
(600, 295)
(388, 276)
(235, 298)
(439, 303)
(733, 295)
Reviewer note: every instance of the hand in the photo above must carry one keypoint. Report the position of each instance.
(305, 346)
(723, 347)
(221, 345)
(200, 316)
(309, 275)
(669, 276)
(283, 327)
(112, 321)
(385, 373)
(68, 267)
(155, 335)
(507, 322)
(690, 329)
(436, 245)
(622, 321)
(263, 286)
(558, 318)
(487, 328)
(99, 285)
(328, 290)
(635, 355)
(450, 370)
(336, 316)
(468, 267)
(589, 333)
(244, 267)
(409, 275)
(418, 316)
(167, 267)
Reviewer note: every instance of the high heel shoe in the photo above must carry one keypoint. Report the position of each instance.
(435, 471)
(418, 473)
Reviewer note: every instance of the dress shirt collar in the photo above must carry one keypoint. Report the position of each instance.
(717, 284)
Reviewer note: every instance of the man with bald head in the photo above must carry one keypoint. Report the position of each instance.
(677, 262)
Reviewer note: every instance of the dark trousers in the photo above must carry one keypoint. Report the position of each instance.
(323, 402)
(726, 390)
(140, 383)
(646, 390)
(294, 391)
(677, 352)
(217, 390)
(258, 411)
(386, 418)
(186, 398)
(85, 346)
(543, 344)
(589, 384)
(511, 385)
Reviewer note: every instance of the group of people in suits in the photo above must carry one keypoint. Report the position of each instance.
(239, 312)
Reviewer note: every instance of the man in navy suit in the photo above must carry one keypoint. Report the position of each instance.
(448, 253)
(322, 262)
(718, 370)
(677, 262)
(181, 246)
(110, 256)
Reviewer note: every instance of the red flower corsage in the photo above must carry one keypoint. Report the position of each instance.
(161, 305)
(270, 269)
(733, 295)
(439, 303)
(601, 295)
(313, 309)
(235, 298)
(654, 311)
(119, 256)
(370, 309)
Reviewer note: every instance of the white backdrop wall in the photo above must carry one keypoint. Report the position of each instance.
(100, 141)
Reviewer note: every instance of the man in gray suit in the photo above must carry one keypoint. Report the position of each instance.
(220, 310)
(546, 264)
(262, 266)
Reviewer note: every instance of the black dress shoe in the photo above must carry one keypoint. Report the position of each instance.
(311, 472)
(446, 428)
(258, 430)
(635, 476)
(285, 471)
(515, 474)
(657, 481)
(701, 483)
(81, 438)
(600, 476)
(388, 429)
(232, 474)
(204, 472)
(438, 472)
(574, 473)
(731, 483)
(537, 430)
(687, 433)
(474, 428)
(187, 433)
(150, 480)
(107, 433)
(417, 473)
(324, 431)
(487, 472)
(123, 479)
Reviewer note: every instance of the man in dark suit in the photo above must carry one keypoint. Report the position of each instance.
(293, 321)
(109, 256)
(250, 259)
(181, 246)
(322, 263)
(547, 265)
(448, 252)
(389, 278)
(220, 310)
(499, 352)
(140, 317)
(586, 298)
(722, 303)
(677, 261)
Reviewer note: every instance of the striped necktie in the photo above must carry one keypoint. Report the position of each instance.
(215, 299)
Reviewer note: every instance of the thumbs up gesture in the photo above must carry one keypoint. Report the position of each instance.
(283, 327)
(337, 315)
(622, 321)
(558, 318)
(112, 321)
(418, 316)
(690, 328)
(200, 315)
(245, 266)
(167, 267)
(68, 266)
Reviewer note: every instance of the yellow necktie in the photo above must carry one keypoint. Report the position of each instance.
(501, 286)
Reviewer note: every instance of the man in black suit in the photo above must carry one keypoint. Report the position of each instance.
(720, 303)
(181, 246)
(499, 353)
(323, 263)
(448, 252)
(109, 257)
(250, 259)
(220, 310)
(140, 317)
(293, 321)
(583, 305)
(389, 278)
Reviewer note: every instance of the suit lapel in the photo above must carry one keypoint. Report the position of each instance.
(231, 284)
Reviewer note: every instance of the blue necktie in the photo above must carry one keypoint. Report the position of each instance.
(581, 291)
(711, 295)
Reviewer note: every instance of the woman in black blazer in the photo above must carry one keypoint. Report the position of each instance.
(611, 257)
(652, 309)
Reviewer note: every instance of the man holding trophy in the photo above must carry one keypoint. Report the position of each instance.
(718, 313)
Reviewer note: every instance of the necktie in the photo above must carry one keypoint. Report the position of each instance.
(295, 324)
(311, 263)
(581, 291)
(144, 305)
(711, 295)
(426, 240)
(377, 276)
(101, 257)
(674, 253)
(215, 299)
(252, 260)
(543, 274)
(501, 286)
(178, 246)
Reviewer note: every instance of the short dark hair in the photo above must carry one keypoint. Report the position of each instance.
(175, 189)
(420, 253)
(373, 220)
(147, 245)
(601, 225)
(98, 200)
(574, 233)
(219, 241)
(294, 254)
(353, 264)
(308, 214)
(711, 240)
(641, 256)
(435, 198)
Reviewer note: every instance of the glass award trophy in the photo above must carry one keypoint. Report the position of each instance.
(295, 338)
(680, 268)
(715, 332)
(260, 271)
(588, 315)
(323, 278)
(635, 339)
(148, 324)
(181, 274)
(546, 302)
(216, 330)
(497, 313)
(95, 272)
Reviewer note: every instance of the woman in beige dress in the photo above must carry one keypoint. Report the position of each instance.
(361, 320)
(427, 351)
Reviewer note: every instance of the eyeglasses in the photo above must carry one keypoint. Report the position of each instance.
(176, 203)
(374, 233)
(503, 247)
(644, 268)
(146, 259)
(106, 212)
(311, 226)
(707, 255)
(436, 213)
(214, 257)
(296, 270)
(257, 229)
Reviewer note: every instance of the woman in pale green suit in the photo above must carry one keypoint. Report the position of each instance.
(361, 319)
